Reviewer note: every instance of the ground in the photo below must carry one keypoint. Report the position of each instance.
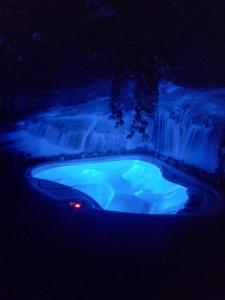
(50, 252)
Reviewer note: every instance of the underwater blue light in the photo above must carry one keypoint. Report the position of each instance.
(124, 185)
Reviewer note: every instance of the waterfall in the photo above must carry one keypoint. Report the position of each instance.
(87, 128)
(82, 133)
(181, 139)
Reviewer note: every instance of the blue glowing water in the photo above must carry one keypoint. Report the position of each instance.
(126, 185)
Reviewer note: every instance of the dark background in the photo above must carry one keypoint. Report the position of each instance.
(57, 44)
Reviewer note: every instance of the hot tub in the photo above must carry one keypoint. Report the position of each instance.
(130, 184)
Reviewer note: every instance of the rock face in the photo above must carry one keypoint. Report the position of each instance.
(186, 127)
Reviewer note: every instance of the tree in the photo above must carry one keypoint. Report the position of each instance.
(139, 51)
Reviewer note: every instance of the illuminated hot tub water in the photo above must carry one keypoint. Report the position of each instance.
(123, 185)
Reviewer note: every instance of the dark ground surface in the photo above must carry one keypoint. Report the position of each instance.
(51, 252)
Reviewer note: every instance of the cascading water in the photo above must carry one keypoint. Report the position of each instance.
(192, 143)
(82, 133)
(180, 139)
(178, 130)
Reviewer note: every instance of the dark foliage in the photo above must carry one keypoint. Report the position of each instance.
(54, 44)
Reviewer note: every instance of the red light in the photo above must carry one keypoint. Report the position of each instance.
(75, 204)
